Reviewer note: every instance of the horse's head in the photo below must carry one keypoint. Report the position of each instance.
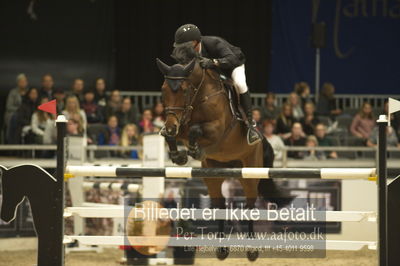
(10, 198)
(174, 93)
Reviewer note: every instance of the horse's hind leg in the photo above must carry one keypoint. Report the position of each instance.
(250, 187)
(214, 186)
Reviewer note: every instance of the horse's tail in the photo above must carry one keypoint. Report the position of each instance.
(267, 187)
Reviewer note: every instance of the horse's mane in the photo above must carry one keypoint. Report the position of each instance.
(184, 53)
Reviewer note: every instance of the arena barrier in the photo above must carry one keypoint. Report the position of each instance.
(49, 214)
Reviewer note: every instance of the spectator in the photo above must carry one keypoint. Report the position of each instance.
(112, 134)
(73, 111)
(114, 104)
(92, 110)
(302, 89)
(257, 117)
(309, 121)
(323, 141)
(363, 123)
(159, 118)
(59, 96)
(126, 115)
(394, 119)
(77, 88)
(327, 103)
(312, 154)
(297, 138)
(47, 87)
(74, 128)
(275, 141)
(130, 137)
(296, 106)
(391, 141)
(146, 124)
(270, 110)
(39, 122)
(24, 113)
(100, 92)
(285, 121)
(14, 98)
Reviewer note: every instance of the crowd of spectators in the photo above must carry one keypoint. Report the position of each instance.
(110, 119)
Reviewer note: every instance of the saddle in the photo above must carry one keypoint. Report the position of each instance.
(233, 98)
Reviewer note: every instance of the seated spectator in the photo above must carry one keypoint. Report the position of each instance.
(297, 109)
(146, 123)
(159, 118)
(323, 141)
(47, 87)
(59, 96)
(114, 104)
(363, 123)
(256, 113)
(285, 121)
(297, 138)
(39, 122)
(77, 88)
(392, 140)
(93, 112)
(24, 113)
(302, 89)
(327, 103)
(126, 115)
(130, 137)
(309, 121)
(275, 141)
(270, 111)
(100, 92)
(312, 154)
(73, 111)
(112, 134)
(14, 98)
(74, 128)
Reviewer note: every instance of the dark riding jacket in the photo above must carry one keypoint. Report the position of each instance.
(228, 56)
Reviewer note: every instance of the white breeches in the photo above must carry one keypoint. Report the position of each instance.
(239, 80)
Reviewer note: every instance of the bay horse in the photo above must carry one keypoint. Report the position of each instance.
(198, 113)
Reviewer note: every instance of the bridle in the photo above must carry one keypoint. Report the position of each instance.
(189, 100)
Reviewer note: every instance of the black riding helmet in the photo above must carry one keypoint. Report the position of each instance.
(187, 33)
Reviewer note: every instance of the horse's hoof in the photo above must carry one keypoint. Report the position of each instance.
(196, 154)
(252, 255)
(179, 157)
(222, 253)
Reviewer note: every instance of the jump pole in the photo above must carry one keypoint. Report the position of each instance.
(382, 193)
(59, 201)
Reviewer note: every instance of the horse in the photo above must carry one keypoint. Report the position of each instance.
(34, 183)
(197, 111)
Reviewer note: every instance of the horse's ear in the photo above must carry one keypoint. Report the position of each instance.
(189, 67)
(164, 68)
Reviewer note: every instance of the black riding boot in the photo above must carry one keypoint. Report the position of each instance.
(253, 136)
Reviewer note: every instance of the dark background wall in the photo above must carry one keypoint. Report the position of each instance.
(145, 30)
(362, 54)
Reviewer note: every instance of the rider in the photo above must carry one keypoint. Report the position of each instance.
(216, 52)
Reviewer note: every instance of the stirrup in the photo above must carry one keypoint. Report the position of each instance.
(258, 140)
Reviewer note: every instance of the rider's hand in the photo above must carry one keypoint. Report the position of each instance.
(206, 62)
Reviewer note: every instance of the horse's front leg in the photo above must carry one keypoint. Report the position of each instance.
(177, 157)
(195, 132)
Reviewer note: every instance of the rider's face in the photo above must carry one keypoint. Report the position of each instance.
(196, 46)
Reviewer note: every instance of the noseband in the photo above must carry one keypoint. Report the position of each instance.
(189, 101)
